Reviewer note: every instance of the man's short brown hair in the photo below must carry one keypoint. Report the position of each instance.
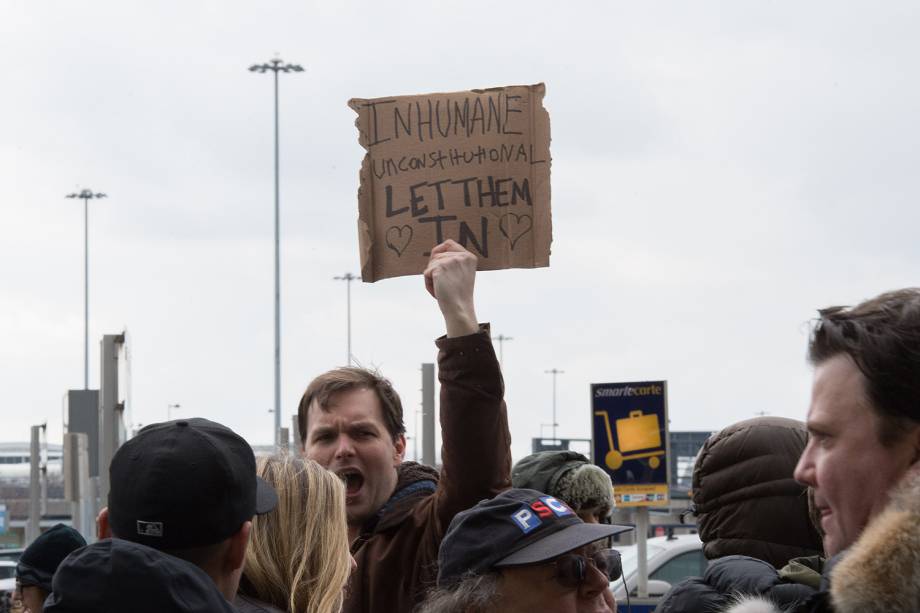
(882, 336)
(346, 379)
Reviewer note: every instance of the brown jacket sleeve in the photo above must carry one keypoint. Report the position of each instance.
(398, 561)
(476, 444)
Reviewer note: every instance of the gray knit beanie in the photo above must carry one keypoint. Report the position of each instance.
(568, 476)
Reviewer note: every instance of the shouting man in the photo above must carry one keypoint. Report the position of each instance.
(351, 421)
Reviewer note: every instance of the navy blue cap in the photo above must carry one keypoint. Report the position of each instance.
(516, 528)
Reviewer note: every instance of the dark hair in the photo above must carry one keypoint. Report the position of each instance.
(324, 387)
(882, 336)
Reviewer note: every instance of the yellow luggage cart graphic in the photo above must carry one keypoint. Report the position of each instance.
(637, 433)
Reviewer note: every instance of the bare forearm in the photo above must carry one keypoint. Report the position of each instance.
(460, 320)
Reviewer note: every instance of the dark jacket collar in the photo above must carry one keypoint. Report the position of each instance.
(118, 575)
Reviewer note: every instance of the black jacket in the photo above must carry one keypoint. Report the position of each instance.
(118, 576)
(245, 604)
(727, 577)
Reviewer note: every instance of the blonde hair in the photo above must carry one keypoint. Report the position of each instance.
(298, 558)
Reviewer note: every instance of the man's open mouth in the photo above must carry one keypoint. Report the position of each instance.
(353, 480)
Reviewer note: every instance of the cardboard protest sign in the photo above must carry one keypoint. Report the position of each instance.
(472, 166)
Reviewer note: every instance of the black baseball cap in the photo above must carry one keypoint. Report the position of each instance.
(516, 528)
(185, 483)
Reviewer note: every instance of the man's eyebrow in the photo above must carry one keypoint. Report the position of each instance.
(321, 430)
(363, 425)
(818, 427)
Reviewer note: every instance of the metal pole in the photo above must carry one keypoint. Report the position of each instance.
(33, 527)
(86, 195)
(417, 435)
(642, 551)
(85, 292)
(277, 281)
(348, 278)
(501, 338)
(276, 66)
(348, 300)
(428, 415)
(554, 406)
(554, 372)
(284, 436)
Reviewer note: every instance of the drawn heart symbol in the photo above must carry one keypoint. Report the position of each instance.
(398, 238)
(515, 226)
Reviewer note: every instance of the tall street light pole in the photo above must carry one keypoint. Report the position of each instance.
(348, 278)
(86, 195)
(501, 338)
(554, 372)
(276, 66)
(169, 410)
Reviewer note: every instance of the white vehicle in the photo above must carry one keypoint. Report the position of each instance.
(670, 560)
(7, 583)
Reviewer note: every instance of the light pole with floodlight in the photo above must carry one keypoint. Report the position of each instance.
(276, 66)
(86, 195)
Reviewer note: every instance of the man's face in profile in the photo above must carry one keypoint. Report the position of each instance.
(845, 462)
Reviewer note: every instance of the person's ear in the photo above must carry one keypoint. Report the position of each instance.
(400, 446)
(236, 553)
(103, 531)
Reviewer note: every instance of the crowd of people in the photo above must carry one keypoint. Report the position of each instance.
(820, 516)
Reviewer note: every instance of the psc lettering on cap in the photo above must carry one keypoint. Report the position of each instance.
(557, 506)
(150, 528)
(525, 519)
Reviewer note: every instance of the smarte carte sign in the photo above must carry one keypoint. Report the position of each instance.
(471, 166)
(630, 440)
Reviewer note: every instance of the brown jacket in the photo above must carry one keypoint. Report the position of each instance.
(397, 552)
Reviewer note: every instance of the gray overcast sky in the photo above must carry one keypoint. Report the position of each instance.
(720, 170)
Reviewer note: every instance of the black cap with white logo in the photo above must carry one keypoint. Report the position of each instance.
(185, 483)
(516, 528)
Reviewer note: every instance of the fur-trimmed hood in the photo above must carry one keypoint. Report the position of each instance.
(881, 571)
(753, 605)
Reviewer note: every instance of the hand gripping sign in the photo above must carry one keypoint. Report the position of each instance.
(472, 166)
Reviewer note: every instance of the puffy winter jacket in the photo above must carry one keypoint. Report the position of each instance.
(727, 577)
(752, 515)
(746, 500)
